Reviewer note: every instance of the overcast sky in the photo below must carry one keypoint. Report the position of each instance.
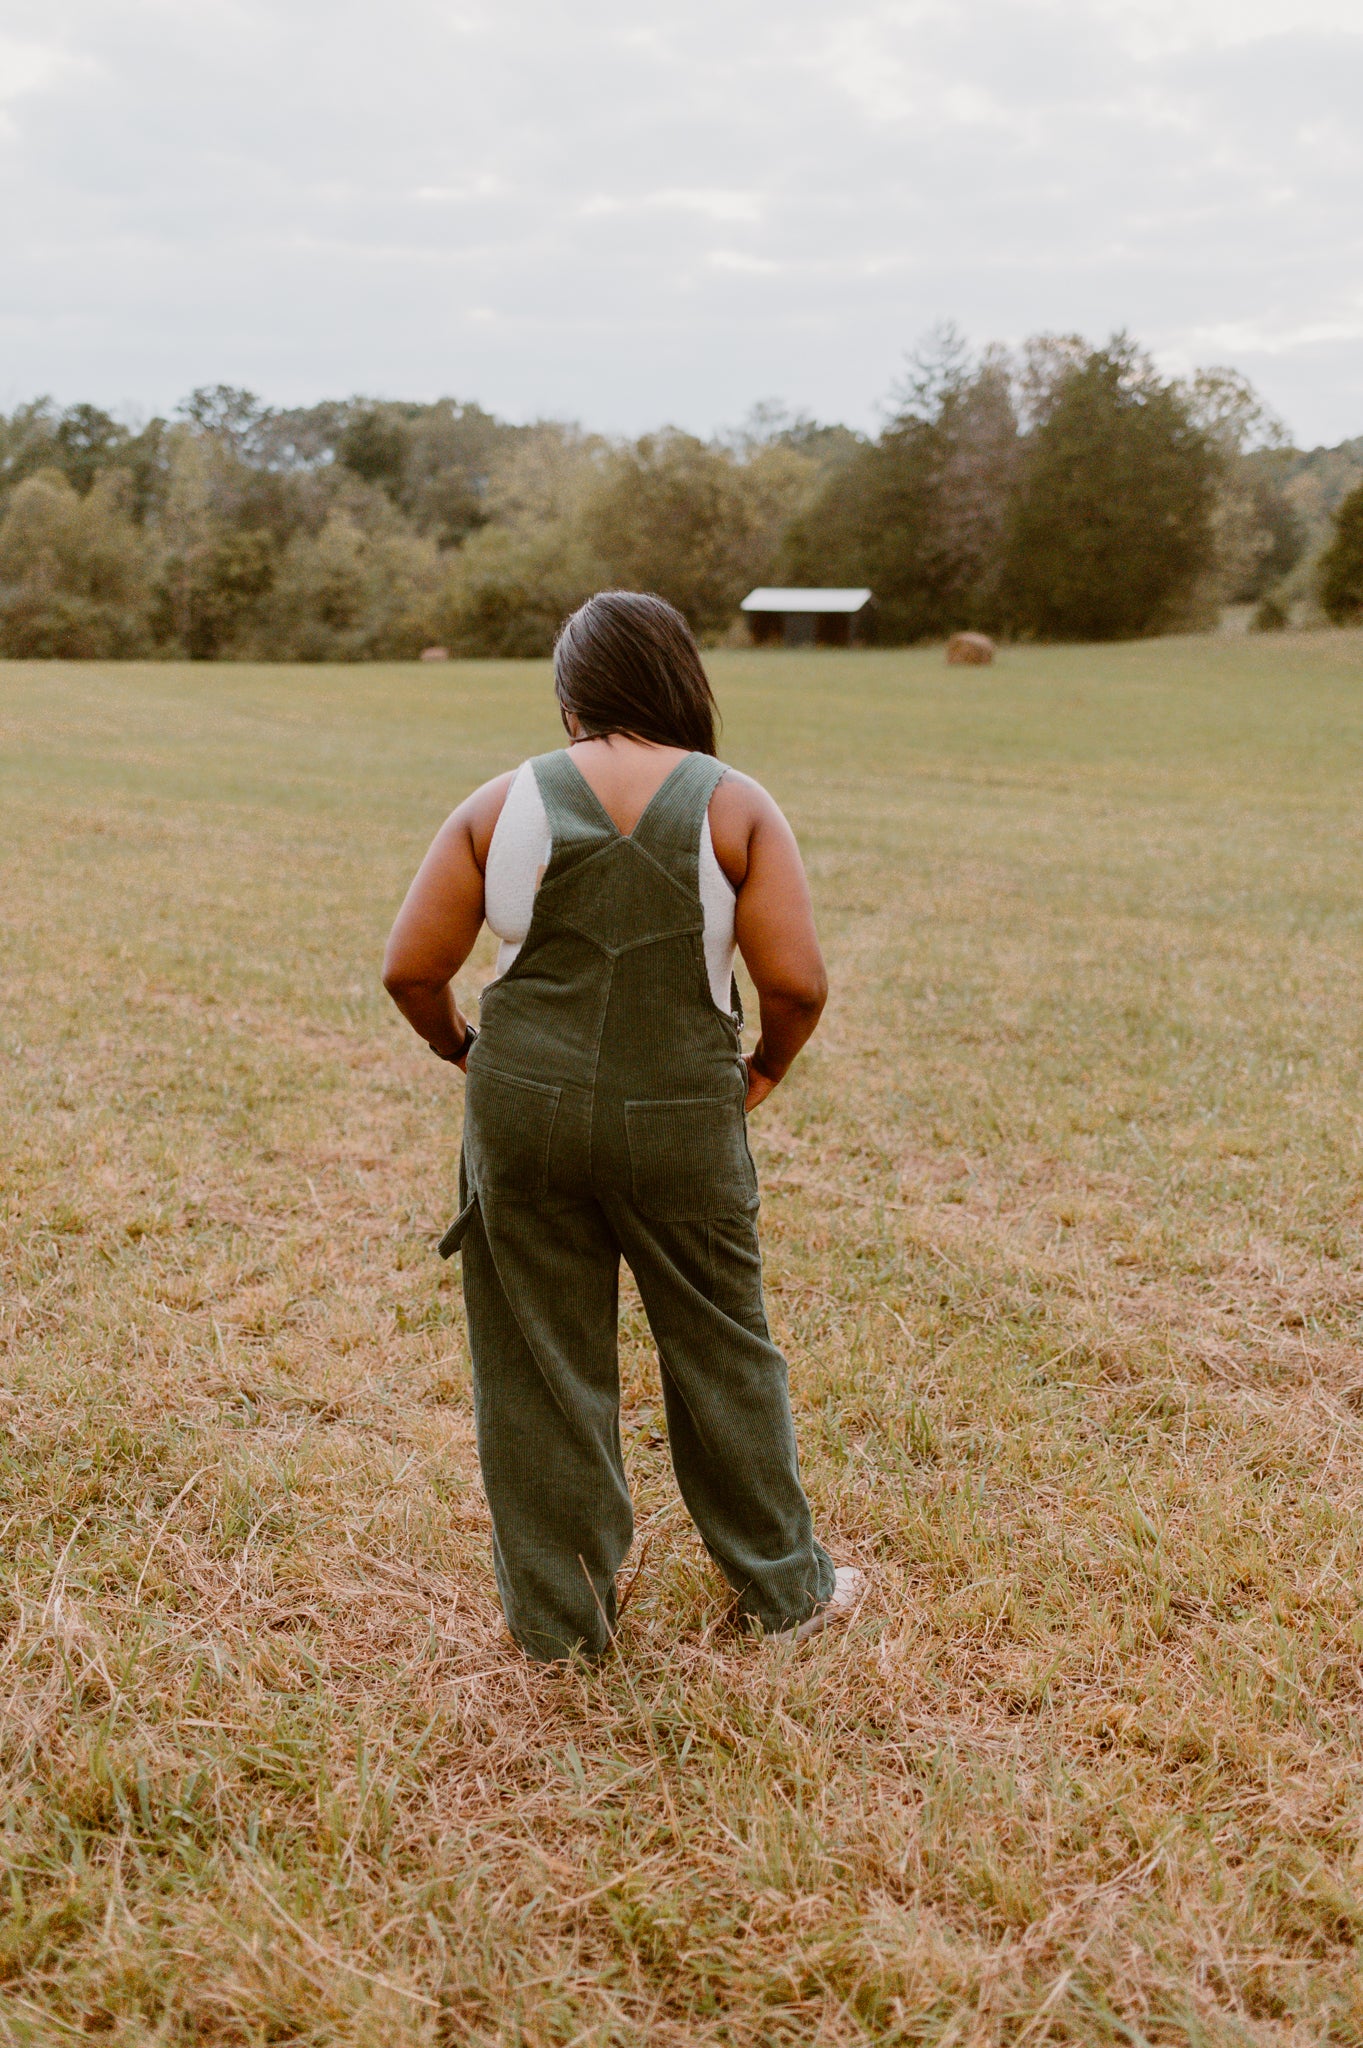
(629, 211)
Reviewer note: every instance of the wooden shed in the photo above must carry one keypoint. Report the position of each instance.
(807, 618)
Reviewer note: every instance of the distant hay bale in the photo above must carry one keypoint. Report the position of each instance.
(435, 654)
(969, 650)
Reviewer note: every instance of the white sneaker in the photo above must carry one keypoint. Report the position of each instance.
(848, 1586)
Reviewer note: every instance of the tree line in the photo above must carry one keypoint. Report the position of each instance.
(1059, 491)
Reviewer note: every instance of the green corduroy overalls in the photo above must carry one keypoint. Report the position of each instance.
(604, 1117)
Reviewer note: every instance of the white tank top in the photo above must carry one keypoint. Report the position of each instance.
(520, 853)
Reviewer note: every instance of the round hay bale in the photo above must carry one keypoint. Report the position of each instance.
(435, 654)
(969, 650)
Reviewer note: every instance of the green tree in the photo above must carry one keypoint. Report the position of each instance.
(1340, 574)
(433, 461)
(1256, 534)
(455, 451)
(221, 527)
(195, 516)
(772, 425)
(1111, 526)
(82, 442)
(509, 589)
(677, 516)
(230, 415)
(348, 593)
(223, 588)
(919, 514)
(74, 571)
(515, 579)
(973, 426)
(142, 458)
(1278, 526)
(86, 441)
(26, 441)
(375, 445)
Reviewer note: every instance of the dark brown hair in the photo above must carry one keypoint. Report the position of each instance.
(628, 663)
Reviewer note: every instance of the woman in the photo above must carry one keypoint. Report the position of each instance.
(605, 1118)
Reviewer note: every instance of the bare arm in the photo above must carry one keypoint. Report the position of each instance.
(773, 924)
(434, 932)
(436, 928)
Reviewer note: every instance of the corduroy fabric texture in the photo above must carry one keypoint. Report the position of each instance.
(604, 1118)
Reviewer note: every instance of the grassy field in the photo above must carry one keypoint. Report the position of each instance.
(1062, 1216)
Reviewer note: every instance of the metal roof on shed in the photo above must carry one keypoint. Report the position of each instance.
(765, 600)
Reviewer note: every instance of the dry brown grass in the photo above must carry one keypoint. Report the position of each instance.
(1063, 1241)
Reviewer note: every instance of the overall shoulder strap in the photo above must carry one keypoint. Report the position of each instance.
(670, 827)
(577, 824)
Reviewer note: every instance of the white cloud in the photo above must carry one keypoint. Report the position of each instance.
(1155, 27)
(739, 260)
(710, 205)
(628, 219)
(483, 186)
(27, 67)
(1247, 338)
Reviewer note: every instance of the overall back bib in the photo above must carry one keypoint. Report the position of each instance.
(604, 1118)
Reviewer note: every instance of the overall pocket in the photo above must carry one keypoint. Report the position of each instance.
(508, 1128)
(689, 1160)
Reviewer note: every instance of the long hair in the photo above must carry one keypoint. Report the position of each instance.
(628, 663)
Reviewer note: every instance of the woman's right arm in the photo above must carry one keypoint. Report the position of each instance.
(441, 917)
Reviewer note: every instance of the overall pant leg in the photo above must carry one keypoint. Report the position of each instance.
(541, 1291)
(726, 1390)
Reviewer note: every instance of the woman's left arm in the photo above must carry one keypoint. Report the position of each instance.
(773, 925)
(441, 917)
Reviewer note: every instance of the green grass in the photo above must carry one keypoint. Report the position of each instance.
(1062, 1219)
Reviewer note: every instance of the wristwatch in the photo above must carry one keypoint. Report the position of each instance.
(453, 1058)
